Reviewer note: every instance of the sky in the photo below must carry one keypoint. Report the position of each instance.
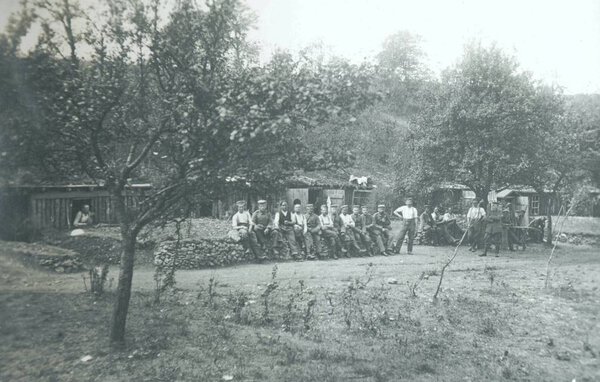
(557, 40)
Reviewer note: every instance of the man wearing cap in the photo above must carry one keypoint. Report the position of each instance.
(475, 216)
(338, 225)
(381, 230)
(242, 222)
(283, 225)
(348, 231)
(328, 232)
(303, 238)
(368, 227)
(493, 229)
(408, 217)
(313, 224)
(262, 224)
(360, 230)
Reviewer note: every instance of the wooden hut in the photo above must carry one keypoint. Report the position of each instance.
(307, 187)
(55, 205)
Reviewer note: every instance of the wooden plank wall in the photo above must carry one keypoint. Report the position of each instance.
(55, 210)
(296, 193)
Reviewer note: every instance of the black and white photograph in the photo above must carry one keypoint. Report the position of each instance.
(299, 190)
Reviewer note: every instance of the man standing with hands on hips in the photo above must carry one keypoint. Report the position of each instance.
(408, 217)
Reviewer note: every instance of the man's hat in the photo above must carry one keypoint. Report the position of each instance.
(262, 201)
(344, 206)
(333, 205)
(309, 205)
(240, 203)
(381, 206)
(426, 205)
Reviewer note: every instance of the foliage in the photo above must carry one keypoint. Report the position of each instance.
(476, 127)
(178, 101)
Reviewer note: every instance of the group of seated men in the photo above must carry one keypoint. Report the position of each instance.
(483, 229)
(356, 232)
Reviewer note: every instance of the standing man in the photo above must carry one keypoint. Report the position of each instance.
(509, 223)
(408, 217)
(284, 227)
(493, 229)
(302, 237)
(313, 223)
(360, 231)
(475, 217)
(381, 230)
(521, 232)
(329, 232)
(242, 222)
(262, 224)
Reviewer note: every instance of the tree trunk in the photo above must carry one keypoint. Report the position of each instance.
(119, 318)
(481, 194)
(549, 217)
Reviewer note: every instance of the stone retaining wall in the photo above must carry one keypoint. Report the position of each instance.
(200, 253)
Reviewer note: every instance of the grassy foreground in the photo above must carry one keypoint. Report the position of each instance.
(355, 319)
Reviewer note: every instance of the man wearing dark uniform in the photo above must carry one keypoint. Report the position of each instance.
(429, 231)
(493, 229)
(360, 230)
(262, 224)
(314, 229)
(509, 223)
(381, 230)
(368, 226)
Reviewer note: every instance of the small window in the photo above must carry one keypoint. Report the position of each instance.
(534, 204)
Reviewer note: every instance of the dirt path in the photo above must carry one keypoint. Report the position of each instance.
(494, 321)
(527, 268)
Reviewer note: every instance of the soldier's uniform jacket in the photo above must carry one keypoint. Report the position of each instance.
(383, 221)
(508, 220)
(263, 219)
(359, 222)
(426, 220)
(313, 223)
(494, 222)
(367, 219)
(338, 223)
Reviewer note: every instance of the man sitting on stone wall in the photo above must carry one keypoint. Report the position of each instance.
(242, 222)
